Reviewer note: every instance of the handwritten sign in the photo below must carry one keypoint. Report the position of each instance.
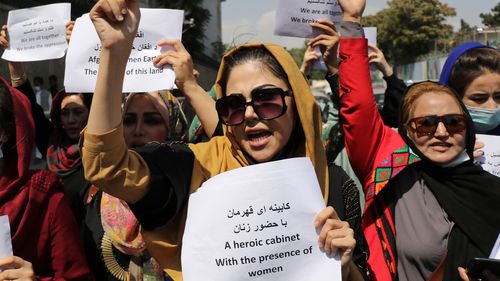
(257, 222)
(5, 243)
(491, 159)
(82, 60)
(37, 33)
(294, 16)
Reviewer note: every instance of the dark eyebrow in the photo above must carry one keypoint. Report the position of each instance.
(264, 86)
(151, 114)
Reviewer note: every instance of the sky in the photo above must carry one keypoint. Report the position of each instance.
(246, 21)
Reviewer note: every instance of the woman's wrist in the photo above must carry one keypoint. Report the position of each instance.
(346, 271)
(190, 88)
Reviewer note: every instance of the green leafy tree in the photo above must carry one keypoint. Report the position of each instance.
(492, 19)
(408, 29)
(464, 27)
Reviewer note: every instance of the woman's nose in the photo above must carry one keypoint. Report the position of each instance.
(139, 129)
(491, 104)
(71, 117)
(441, 130)
(250, 113)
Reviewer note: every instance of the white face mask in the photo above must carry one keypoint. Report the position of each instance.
(484, 119)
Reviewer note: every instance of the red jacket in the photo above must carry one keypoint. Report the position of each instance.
(376, 152)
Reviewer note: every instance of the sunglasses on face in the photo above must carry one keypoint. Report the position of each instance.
(427, 125)
(267, 103)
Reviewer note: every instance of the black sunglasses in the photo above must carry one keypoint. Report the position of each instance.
(268, 104)
(427, 125)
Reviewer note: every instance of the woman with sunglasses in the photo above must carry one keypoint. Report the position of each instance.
(268, 112)
(428, 209)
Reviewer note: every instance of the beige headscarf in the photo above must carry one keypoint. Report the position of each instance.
(222, 154)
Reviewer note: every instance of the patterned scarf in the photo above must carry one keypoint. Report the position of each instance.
(120, 224)
(63, 160)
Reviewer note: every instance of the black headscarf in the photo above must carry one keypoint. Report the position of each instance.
(469, 195)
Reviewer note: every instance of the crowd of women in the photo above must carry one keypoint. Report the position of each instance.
(112, 204)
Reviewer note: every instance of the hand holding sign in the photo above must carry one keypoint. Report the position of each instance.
(4, 38)
(490, 158)
(335, 234)
(19, 269)
(328, 43)
(116, 22)
(181, 63)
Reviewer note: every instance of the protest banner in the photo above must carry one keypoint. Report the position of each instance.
(82, 60)
(293, 17)
(37, 33)
(257, 222)
(490, 161)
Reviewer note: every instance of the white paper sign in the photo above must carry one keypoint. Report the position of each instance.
(5, 240)
(256, 223)
(491, 159)
(294, 16)
(82, 60)
(37, 33)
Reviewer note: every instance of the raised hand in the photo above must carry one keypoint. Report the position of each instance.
(377, 57)
(4, 37)
(328, 42)
(116, 22)
(335, 236)
(181, 63)
(309, 57)
(69, 30)
(353, 9)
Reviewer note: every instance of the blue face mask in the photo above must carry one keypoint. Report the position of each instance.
(484, 119)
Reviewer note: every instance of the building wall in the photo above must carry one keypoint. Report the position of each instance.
(213, 29)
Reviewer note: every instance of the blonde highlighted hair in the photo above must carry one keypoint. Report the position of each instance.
(419, 89)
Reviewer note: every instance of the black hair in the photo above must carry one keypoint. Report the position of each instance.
(59, 134)
(38, 80)
(256, 53)
(471, 65)
(6, 111)
(7, 122)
